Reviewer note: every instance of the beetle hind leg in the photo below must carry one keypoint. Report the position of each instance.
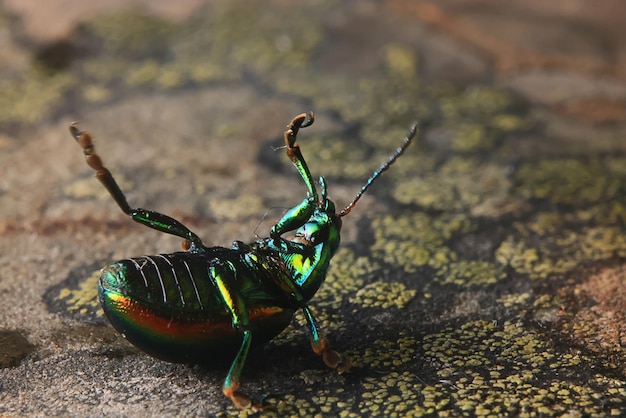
(223, 277)
(231, 383)
(152, 219)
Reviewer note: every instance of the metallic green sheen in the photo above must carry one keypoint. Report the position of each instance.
(208, 303)
(176, 289)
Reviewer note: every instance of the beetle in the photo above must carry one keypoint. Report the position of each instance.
(204, 304)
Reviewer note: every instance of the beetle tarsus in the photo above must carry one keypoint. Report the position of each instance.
(303, 120)
(331, 358)
(243, 401)
(239, 399)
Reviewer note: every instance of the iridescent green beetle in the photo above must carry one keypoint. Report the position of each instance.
(209, 303)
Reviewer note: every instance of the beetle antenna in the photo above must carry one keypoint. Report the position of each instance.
(392, 159)
(264, 217)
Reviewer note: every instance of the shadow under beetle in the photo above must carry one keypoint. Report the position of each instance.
(211, 302)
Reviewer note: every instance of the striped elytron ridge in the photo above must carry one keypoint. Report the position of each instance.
(174, 281)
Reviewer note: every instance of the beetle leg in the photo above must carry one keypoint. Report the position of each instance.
(298, 215)
(223, 277)
(231, 383)
(293, 150)
(321, 345)
(155, 220)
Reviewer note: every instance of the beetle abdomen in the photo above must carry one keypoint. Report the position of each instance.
(167, 306)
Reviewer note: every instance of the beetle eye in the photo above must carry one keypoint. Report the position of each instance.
(329, 206)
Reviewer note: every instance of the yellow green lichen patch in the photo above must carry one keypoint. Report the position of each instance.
(132, 34)
(543, 224)
(527, 260)
(401, 62)
(404, 395)
(144, 73)
(594, 243)
(480, 369)
(376, 103)
(83, 299)
(610, 213)
(384, 295)
(472, 137)
(477, 103)
(96, 93)
(387, 354)
(560, 252)
(508, 369)
(263, 37)
(170, 76)
(480, 117)
(204, 71)
(35, 94)
(420, 240)
(239, 207)
(567, 181)
(142, 51)
(149, 73)
(346, 276)
(417, 240)
(482, 345)
(89, 187)
(461, 184)
(105, 70)
(470, 272)
(397, 394)
(509, 123)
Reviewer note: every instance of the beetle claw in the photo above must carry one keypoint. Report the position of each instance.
(243, 401)
(343, 367)
(334, 360)
(331, 358)
(239, 399)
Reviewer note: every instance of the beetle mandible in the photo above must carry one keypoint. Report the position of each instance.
(208, 303)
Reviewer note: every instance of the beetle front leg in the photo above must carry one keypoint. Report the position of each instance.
(321, 345)
(298, 215)
(154, 220)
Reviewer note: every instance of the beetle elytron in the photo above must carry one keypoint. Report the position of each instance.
(213, 302)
